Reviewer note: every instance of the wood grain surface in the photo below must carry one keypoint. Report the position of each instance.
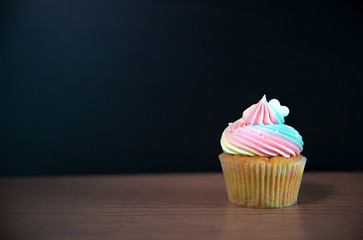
(173, 206)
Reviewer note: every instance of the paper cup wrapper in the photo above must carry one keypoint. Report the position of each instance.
(262, 184)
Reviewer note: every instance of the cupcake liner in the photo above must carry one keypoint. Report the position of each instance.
(262, 184)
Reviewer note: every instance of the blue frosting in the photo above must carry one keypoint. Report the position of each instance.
(283, 129)
(278, 114)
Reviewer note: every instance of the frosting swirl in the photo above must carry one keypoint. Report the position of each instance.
(261, 131)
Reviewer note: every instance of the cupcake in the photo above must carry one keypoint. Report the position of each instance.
(261, 160)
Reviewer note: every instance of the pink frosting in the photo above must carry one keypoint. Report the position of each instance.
(261, 132)
(260, 114)
(262, 142)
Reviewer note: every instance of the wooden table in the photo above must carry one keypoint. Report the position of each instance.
(173, 206)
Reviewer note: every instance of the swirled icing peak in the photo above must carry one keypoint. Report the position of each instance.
(261, 131)
(265, 113)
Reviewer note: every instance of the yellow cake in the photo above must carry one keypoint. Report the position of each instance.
(262, 182)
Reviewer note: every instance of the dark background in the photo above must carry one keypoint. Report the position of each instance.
(149, 86)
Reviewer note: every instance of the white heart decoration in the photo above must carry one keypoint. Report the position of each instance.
(282, 109)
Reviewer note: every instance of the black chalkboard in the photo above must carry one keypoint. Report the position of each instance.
(149, 86)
